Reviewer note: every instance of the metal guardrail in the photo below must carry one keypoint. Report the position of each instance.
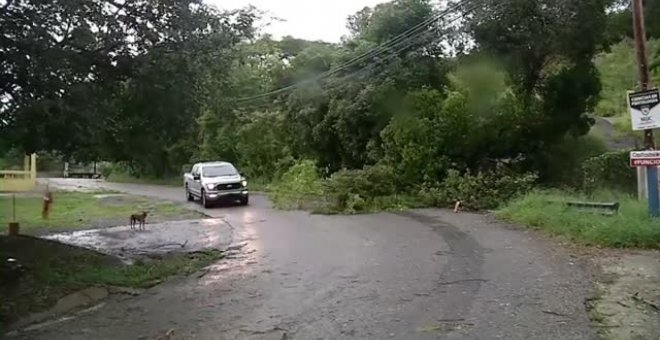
(606, 208)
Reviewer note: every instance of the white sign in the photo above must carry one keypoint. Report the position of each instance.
(644, 109)
(644, 158)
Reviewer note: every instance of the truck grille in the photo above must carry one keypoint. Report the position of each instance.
(228, 186)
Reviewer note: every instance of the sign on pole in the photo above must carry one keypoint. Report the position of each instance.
(644, 109)
(649, 160)
(644, 158)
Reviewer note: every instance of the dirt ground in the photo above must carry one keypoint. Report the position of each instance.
(628, 306)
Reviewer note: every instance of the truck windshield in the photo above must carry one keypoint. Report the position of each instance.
(219, 171)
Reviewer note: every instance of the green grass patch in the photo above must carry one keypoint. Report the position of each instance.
(545, 210)
(74, 210)
(54, 270)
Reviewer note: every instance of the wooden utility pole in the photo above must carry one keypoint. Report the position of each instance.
(642, 60)
(645, 83)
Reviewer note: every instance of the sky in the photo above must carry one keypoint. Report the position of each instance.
(306, 19)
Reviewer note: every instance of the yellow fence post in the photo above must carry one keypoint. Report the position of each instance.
(33, 168)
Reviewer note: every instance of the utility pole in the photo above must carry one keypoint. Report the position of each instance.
(642, 60)
(645, 83)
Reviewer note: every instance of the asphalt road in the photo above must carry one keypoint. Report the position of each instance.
(426, 274)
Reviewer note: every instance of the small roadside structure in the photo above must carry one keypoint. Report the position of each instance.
(20, 180)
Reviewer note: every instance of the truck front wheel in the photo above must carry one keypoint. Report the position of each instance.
(205, 203)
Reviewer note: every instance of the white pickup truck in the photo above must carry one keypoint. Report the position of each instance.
(215, 181)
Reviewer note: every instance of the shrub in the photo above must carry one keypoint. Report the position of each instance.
(484, 190)
(353, 190)
(562, 162)
(106, 169)
(297, 186)
(609, 171)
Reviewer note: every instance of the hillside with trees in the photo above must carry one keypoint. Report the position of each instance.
(417, 95)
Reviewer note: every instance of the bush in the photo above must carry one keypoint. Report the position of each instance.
(484, 190)
(354, 190)
(298, 186)
(108, 168)
(609, 171)
(562, 163)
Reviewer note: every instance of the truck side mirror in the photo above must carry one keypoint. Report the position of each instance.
(197, 177)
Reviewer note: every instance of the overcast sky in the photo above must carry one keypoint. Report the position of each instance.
(307, 19)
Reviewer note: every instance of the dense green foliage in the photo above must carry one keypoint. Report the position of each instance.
(482, 190)
(119, 81)
(610, 170)
(618, 74)
(436, 110)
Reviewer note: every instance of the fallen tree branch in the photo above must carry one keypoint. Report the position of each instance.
(555, 313)
(461, 281)
(638, 298)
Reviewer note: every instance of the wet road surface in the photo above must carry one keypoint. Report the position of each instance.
(426, 274)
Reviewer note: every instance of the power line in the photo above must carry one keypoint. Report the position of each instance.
(410, 42)
(399, 39)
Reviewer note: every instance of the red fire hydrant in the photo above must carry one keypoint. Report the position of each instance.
(48, 200)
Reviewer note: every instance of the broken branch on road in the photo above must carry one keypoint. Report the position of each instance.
(461, 281)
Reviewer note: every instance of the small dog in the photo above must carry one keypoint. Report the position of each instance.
(138, 220)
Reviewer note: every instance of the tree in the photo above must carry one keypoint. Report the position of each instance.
(111, 79)
(620, 20)
(548, 48)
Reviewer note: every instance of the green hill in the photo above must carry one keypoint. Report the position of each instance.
(618, 74)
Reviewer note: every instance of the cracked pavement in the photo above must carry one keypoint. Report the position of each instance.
(424, 274)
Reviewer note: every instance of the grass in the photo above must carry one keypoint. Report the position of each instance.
(631, 228)
(73, 210)
(54, 270)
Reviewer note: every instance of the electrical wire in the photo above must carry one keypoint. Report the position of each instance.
(375, 52)
(381, 61)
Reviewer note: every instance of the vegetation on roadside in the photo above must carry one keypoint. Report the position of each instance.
(480, 109)
(54, 270)
(75, 210)
(377, 188)
(617, 68)
(204, 84)
(546, 210)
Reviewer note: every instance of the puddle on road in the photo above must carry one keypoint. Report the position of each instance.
(157, 239)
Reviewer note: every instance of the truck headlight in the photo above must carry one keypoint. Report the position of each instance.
(210, 186)
(244, 183)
